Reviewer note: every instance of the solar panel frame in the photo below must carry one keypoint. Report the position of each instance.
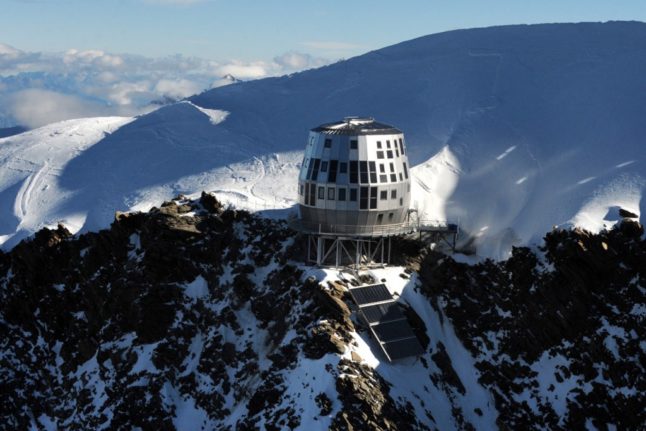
(370, 294)
(387, 321)
(391, 331)
(381, 313)
(403, 348)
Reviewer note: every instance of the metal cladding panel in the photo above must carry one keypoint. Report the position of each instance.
(391, 331)
(383, 313)
(403, 348)
(370, 294)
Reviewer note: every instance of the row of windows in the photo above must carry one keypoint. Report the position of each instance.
(367, 195)
(354, 144)
(361, 171)
(398, 148)
(389, 154)
(398, 144)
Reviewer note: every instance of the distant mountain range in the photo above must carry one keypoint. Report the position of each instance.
(515, 129)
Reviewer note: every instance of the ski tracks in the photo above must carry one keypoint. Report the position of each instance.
(26, 192)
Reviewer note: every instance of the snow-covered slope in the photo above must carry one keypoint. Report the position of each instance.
(516, 128)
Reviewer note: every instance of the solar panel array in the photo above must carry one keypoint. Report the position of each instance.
(387, 322)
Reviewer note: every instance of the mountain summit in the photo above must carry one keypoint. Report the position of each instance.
(514, 129)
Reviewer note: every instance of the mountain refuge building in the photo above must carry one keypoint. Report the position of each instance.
(354, 178)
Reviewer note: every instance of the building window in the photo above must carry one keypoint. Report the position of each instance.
(378, 144)
(343, 168)
(363, 198)
(380, 219)
(353, 195)
(331, 177)
(353, 144)
(393, 178)
(405, 170)
(328, 143)
(383, 178)
(401, 177)
(390, 216)
(373, 172)
(315, 169)
(300, 189)
(330, 193)
(324, 166)
(312, 194)
(408, 188)
(401, 201)
(387, 144)
(322, 193)
(373, 198)
(363, 171)
(389, 153)
(401, 146)
(341, 194)
(354, 169)
(392, 167)
(396, 152)
(393, 194)
(382, 168)
(380, 154)
(383, 195)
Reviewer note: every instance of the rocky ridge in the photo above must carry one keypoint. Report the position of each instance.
(189, 316)
(557, 333)
(195, 316)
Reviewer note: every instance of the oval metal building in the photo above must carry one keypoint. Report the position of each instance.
(354, 178)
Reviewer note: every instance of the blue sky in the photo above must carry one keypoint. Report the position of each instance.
(255, 30)
(62, 59)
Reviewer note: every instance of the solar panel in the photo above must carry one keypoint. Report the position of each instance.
(403, 348)
(387, 321)
(371, 294)
(392, 331)
(383, 312)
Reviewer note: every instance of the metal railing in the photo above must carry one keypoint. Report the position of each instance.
(372, 230)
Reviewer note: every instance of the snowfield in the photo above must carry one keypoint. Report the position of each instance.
(513, 130)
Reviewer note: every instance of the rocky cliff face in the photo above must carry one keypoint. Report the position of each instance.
(558, 335)
(196, 317)
(188, 317)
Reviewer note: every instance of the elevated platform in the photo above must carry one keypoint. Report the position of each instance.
(352, 231)
(352, 245)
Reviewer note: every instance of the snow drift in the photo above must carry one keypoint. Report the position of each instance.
(516, 128)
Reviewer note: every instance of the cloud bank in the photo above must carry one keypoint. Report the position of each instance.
(37, 88)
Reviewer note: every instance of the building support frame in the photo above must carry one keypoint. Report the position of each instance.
(356, 251)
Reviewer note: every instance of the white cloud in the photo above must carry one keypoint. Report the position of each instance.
(34, 108)
(102, 83)
(245, 70)
(91, 58)
(298, 61)
(9, 51)
(177, 88)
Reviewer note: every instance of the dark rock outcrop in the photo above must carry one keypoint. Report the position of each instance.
(571, 313)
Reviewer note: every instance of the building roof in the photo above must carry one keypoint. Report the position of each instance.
(357, 126)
